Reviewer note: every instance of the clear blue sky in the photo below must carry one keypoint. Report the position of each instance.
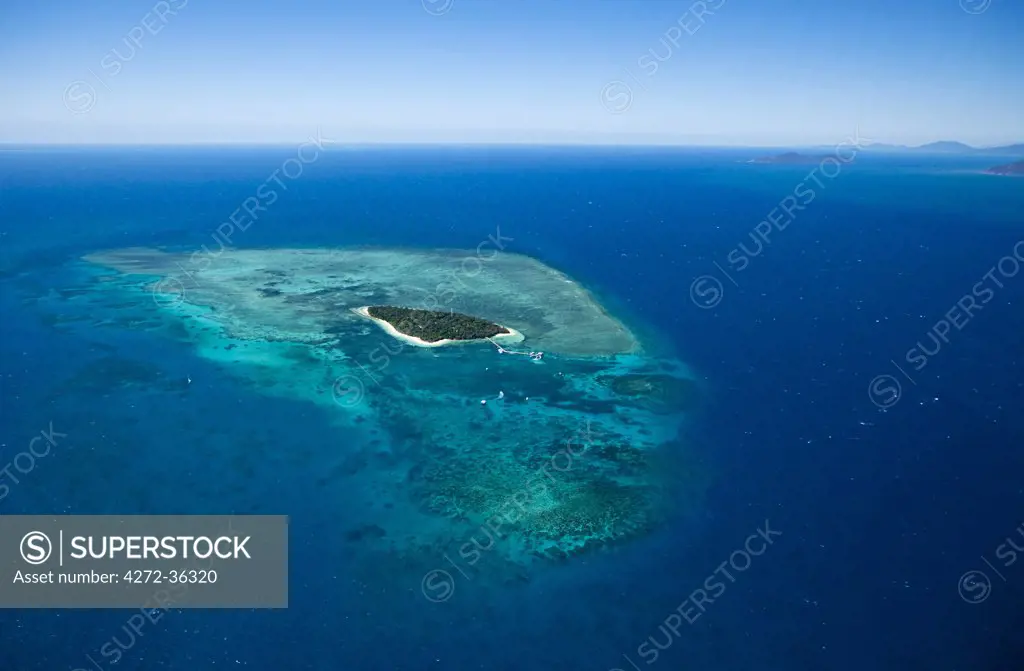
(754, 72)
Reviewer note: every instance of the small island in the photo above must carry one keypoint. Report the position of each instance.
(1015, 169)
(433, 328)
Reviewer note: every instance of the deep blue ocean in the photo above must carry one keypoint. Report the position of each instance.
(881, 503)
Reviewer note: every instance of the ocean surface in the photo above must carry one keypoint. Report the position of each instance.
(859, 435)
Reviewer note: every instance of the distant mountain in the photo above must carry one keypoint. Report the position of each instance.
(1009, 150)
(951, 147)
(947, 147)
(1015, 169)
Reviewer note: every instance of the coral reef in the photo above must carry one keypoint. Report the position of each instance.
(556, 507)
(661, 391)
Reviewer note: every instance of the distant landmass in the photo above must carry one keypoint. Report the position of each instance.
(1015, 169)
(947, 147)
(951, 147)
(789, 158)
(817, 154)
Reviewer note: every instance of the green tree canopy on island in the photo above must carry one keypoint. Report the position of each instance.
(431, 326)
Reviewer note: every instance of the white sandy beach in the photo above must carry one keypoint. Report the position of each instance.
(513, 336)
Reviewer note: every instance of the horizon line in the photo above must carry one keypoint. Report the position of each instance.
(15, 146)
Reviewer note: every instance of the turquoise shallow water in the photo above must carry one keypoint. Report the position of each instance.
(567, 452)
(880, 513)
